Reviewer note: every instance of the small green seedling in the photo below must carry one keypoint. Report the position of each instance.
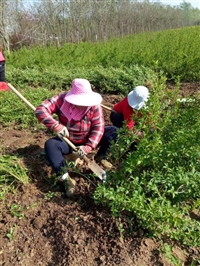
(50, 195)
(10, 233)
(16, 210)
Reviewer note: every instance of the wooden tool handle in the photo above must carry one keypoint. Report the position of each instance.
(108, 108)
(70, 143)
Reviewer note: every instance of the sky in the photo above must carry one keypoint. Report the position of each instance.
(194, 3)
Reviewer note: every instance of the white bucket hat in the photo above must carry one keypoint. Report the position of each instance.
(81, 94)
(138, 97)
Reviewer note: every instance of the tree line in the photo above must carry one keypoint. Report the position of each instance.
(55, 22)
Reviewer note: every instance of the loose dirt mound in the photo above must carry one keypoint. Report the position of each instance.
(47, 228)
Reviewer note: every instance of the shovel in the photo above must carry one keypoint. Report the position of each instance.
(96, 169)
(92, 165)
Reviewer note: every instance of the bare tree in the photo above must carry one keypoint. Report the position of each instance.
(4, 36)
(43, 22)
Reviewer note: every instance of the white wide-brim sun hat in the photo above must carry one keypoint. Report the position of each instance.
(81, 94)
(138, 97)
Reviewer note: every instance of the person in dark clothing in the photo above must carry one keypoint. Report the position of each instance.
(2, 66)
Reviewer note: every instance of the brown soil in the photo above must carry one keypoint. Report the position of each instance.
(55, 230)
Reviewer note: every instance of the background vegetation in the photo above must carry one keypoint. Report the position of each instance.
(109, 66)
(41, 22)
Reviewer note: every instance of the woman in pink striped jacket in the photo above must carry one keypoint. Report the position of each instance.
(80, 119)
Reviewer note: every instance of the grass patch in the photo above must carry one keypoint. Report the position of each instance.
(12, 172)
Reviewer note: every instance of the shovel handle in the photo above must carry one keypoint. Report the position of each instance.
(70, 143)
(108, 108)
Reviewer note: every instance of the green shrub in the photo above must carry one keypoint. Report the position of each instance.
(159, 182)
(174, 52)
(118, 80)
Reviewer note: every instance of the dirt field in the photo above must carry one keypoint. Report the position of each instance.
(54, 230)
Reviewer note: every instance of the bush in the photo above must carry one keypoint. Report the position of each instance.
(159, 182)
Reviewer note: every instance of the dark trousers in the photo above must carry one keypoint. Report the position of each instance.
(110, 134)
(55, 148)
(117, 119)
(2, 72)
